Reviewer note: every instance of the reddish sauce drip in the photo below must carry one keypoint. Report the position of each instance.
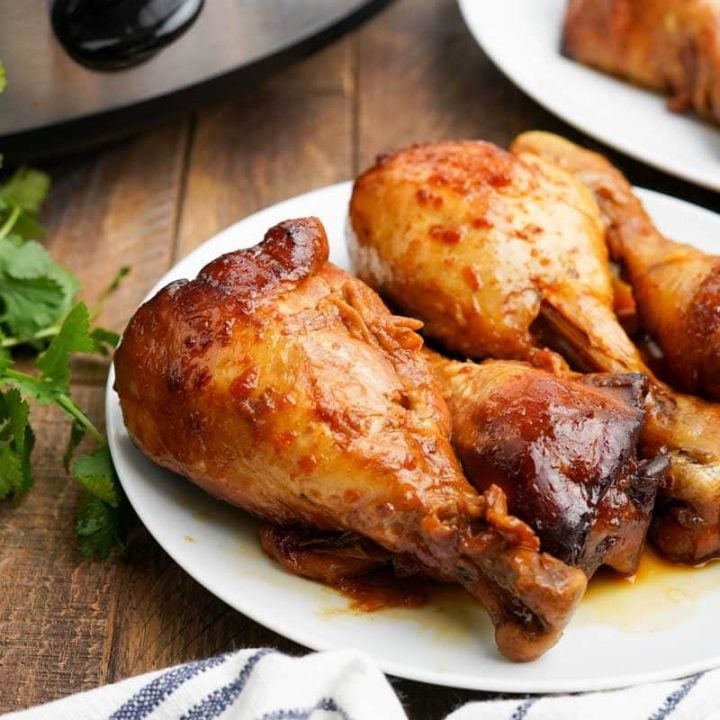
(381, 589)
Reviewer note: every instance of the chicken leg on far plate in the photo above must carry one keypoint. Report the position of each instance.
(503, 254)
(283, 385)
(668, 45)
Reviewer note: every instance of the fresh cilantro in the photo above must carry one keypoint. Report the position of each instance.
(52, 383)
(74, 336)
(121, 274)
(98, 524)
(105, 340)
(114, 284)
(16, 443)
(26, 189)
(39, 310)
(35, 292)
(77, 433)
(95, 474)
(20, 200)
(98, 527)
(5, 360)
(31, 298)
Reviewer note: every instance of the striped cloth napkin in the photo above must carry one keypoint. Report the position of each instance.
(346, 685)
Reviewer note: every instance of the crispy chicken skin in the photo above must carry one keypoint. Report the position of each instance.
(564, 450)
(668, 45)
(501, 254)
(283, 385)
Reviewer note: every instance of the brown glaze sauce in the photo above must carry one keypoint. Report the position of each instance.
(382, 589)
(657, 596)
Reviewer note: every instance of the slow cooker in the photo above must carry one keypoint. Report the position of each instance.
(80, 71)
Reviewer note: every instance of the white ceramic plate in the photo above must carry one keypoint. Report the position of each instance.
(522, 37)
(654, 632)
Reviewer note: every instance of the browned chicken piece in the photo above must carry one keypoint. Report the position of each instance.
(330, 558)
(676, 287)
(489, 250)
(668, 45)
(477, 244)
(677, 291)
(504, 254)
(281, 384)
(563, 449)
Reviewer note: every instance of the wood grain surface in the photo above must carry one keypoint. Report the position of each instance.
(410, 73)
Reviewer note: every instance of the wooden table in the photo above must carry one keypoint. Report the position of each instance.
(411, 73)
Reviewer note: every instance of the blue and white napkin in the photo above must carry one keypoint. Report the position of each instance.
(347, 685)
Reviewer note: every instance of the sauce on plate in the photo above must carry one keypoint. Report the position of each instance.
(657, 596)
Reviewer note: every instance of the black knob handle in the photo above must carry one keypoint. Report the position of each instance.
(115, 34)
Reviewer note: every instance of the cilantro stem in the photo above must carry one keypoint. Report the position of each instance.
(75, 412)
(107, 292)
(47, 332)
(10, 222)
(64, 402)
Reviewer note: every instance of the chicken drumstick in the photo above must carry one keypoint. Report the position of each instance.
(283, 385)
(502, 254)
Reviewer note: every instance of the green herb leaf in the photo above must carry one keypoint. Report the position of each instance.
(98, 525)
(27, 188)
(27, 227)
(95, 474)
(121, 274)
(30, 304)
(5, 361)
(16, 443)
(105, 340)
(69, 284)
(37, 299)
(34, 291)
(77, 433)
(11, 475)
(53, 383)
(54, 363)
(97, 528)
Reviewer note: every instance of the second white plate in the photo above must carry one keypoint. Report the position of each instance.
(654, 631)
(523, 39)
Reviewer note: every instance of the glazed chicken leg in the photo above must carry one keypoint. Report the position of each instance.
(666, 45)
(501, 254)
(478, 244)
(676, 287)
(489, 250)
(677, 290)
(281, 384)
(564, 451)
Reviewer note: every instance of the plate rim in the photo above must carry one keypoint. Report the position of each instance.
(701, 179)
(309, 640)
